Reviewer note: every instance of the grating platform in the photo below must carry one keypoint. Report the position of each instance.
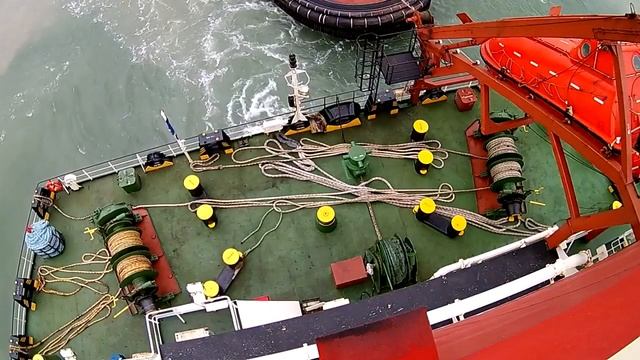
(401, 67)
(292, 333)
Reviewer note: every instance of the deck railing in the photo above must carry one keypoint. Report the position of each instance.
(26, 258)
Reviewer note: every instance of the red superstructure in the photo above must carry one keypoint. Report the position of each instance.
(611, 76)
(576, 76)
(579, 77)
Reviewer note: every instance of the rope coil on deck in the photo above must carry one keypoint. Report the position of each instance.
(51, 274)
(95, 313)
(59, 338)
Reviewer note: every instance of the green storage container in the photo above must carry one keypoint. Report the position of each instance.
(129, 180)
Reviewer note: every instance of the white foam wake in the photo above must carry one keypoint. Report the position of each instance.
(230, 55)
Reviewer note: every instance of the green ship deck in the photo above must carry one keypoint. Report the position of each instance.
(293, 262)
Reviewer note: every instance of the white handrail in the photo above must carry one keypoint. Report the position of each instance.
(465, 263)
(456, 310)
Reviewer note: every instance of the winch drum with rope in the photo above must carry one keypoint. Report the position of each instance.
(391, 264)
(505, 164)
(130, 258)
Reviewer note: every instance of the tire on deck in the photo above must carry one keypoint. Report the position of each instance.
(351, 18)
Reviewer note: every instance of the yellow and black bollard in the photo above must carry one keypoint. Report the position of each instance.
(419, 130)
(426, 207)
(206, 213)
(193, 185)
(211, 289)
(232, 257)
(423, 161)
(457, 225)
(326, 220)
(233, 260)
(426, 213)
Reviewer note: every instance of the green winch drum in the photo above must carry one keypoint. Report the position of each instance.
(503, 161)
(393, 263)
(130, 258)
(505, 164)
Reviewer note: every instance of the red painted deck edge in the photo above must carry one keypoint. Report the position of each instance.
(167, 283)
(406, 336)
(590, 315)
(486, 200)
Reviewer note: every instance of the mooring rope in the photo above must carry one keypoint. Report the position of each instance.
(59, 338)
(360, 193)
(311, 149)
(47, 202)
(264, 235)
(79, 275)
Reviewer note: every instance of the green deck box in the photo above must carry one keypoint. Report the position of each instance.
(129, 180)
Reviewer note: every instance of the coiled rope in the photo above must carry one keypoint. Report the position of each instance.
(132, 265)
(500, 146)
(81, 277)
(129, 264)
(95, 313)
(58, 339)
(505, 170)
(123, 240)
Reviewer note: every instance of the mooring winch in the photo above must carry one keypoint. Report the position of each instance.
(505, 163)
(130, 258)
(391, 264)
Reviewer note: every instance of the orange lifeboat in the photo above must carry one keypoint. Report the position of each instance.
(577, 77)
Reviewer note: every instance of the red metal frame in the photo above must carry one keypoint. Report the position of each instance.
(443, 61)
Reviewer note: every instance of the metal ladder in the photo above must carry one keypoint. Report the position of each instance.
(369, 54)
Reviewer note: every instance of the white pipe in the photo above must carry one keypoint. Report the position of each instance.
(465, 263)
(457, 309)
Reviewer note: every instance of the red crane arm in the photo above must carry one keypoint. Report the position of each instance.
(440, 59)
(600, 27)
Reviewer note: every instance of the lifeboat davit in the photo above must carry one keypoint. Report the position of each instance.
(350, 18)
(576, 76)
